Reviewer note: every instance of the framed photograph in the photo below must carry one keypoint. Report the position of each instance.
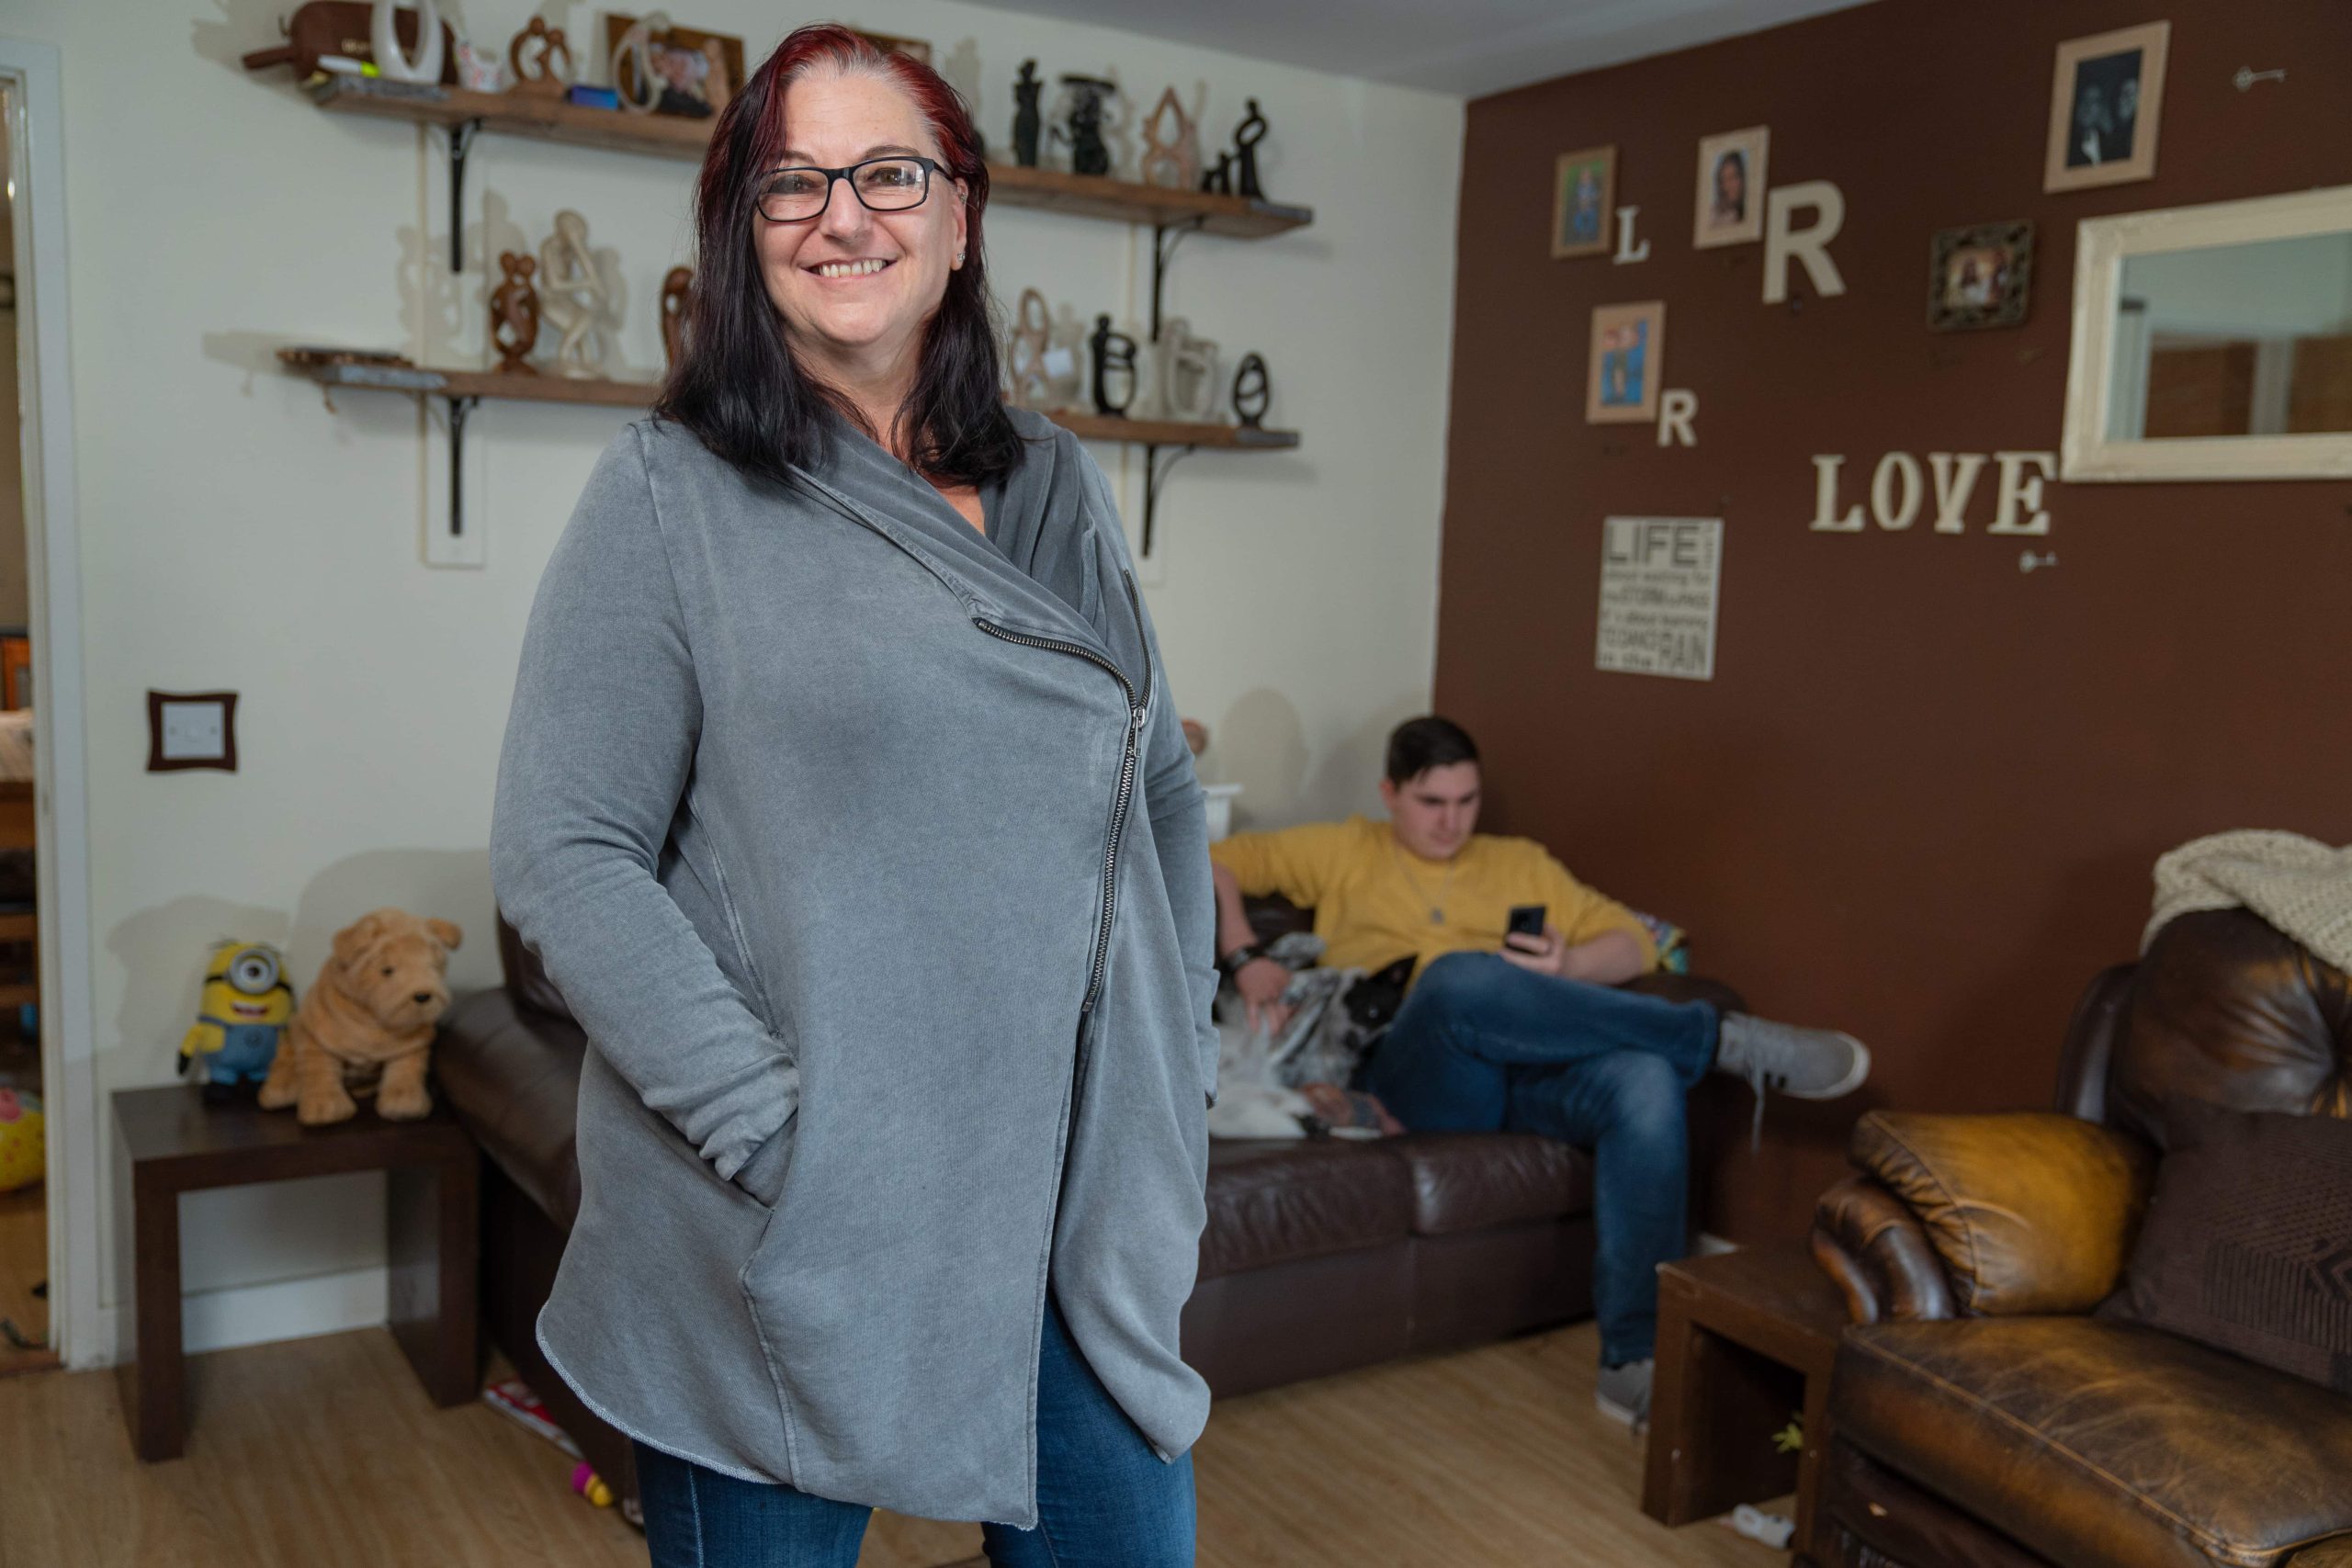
(1980, 277)
(1584, 193)
(2105, 99)
(698, 71)
(1628, 348)
(1731, 187)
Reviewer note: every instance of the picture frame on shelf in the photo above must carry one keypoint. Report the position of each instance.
(689, 63)
(1584, 195)
(1980, 275)
(2106, 107)
(1624, 362)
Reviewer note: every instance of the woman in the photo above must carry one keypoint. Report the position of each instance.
(845, 801)
(1731, 190)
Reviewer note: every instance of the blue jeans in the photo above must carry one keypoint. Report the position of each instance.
(1104, 1497)
(1481, 1046)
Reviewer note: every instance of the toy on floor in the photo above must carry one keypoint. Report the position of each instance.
(22, 1155)
(513, 1398)
(366, 1025)
(245, 1004)
(591, 1485)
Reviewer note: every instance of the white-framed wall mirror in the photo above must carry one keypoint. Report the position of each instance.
(2213, 342)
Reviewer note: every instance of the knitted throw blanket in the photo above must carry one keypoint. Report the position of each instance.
(2297, 884)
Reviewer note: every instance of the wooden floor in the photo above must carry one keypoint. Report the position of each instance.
(24, 1263)
(325, 1451)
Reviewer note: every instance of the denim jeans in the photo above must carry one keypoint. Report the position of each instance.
(1482, 1044)
(1104, 1497)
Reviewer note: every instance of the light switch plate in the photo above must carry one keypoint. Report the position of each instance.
(191, 730)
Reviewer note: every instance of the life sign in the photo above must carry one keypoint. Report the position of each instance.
(1658, 582)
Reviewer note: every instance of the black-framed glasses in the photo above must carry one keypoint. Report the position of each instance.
(800, 193)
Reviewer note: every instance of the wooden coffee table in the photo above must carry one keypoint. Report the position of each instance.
(169, 1142)
(1745, 1340)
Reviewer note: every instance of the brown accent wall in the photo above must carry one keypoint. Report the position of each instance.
(1920, 799)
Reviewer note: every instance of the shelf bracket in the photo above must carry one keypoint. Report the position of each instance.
(461, 142)
(1155, 474)
(459, 409)
(1164, 239)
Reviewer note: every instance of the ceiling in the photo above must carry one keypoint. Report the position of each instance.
(1467, 47)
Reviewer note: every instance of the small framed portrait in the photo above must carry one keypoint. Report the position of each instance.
(2105, 99)
(1731, 187)
(1980, 277)
(1628, 348)
(697, 72)
(1584, 193)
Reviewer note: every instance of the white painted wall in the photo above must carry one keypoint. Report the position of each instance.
(237, 534)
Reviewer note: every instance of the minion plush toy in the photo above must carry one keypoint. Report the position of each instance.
(247, 1001)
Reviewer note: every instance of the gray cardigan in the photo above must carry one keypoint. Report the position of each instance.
(869, 852)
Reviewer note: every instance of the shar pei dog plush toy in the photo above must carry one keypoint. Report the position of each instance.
(366, 1025)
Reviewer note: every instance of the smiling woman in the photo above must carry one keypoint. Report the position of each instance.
(880, 887)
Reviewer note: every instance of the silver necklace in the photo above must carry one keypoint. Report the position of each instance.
(1437, 907)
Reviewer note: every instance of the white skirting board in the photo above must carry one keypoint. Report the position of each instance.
(260, 1314)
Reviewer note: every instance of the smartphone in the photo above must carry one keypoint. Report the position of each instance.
(1526, 920)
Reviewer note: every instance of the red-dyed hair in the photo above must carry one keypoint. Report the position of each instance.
(736, 385)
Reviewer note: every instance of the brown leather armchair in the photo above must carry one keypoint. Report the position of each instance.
(1979, 1417)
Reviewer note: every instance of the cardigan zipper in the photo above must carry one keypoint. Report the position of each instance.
(1138, 712)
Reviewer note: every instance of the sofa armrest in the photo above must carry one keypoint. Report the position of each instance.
(2029, 1214)
(1878, 1253)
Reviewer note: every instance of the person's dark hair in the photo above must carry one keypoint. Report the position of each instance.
(1419, 744)
(736, 385)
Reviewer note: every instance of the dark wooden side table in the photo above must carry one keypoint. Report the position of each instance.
(169, 1142)
(1745, 1340)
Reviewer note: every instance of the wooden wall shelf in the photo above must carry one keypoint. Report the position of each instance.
(673, 136)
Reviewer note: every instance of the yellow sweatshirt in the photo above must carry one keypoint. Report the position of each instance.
(1373, 898)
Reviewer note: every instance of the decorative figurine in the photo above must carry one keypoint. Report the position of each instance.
(366, 1025)
(1220, 179)
(636, 47)
(1025, 119)
(1065, 361)
(480, 70)
(1246, 137)
(1185, 369)
(1252, 392)
(677, 296)
(392, 60)
(514, 315)
(245, 1002)
(544, 45)
(1024, 357)
(1114, 354)
(572, 298)
(1089, 154)
(1170, 158)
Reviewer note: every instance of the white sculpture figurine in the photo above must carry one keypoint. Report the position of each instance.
(572, 298)
(384, 39)
(1186, 367)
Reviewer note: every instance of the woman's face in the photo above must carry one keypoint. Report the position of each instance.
(830, 305)
(1730, 184)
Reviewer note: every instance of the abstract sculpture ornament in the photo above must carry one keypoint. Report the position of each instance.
(637, 46)
(384, 40)
(1114, 357)
(1246, 137)
(514, 315)
(1220, 179)
(1026, 353)
(572, 298)
(1186, 373)
(1170, 157)
(1027, 122)
(1088, 153)
(543, 45)
(1252, 392)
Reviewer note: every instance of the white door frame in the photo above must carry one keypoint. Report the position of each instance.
(81, 1324)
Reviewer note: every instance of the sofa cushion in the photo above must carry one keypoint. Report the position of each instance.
(2098, 1442)
(1276, 1200)
(2247, 1245)
(1466, 1181)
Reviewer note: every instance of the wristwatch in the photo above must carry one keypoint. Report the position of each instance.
(1231, 964)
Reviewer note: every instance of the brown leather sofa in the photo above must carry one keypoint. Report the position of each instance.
(1980, 1417)
(1321, 1256)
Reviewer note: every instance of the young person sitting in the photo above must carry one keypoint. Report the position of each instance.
(1525, 1034)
